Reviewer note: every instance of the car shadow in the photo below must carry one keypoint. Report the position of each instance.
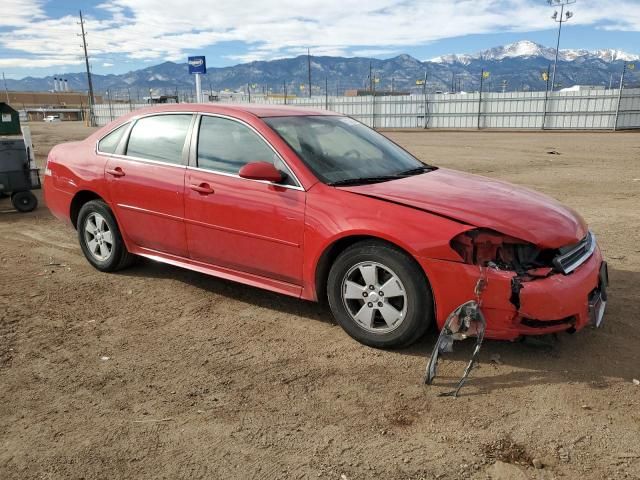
(595, 357)
(232, 290)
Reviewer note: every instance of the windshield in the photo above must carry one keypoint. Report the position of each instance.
(340, 150)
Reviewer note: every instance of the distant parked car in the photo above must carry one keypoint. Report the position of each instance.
(52, 118)
(318, 206)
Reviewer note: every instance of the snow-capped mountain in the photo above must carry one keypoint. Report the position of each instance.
(526, 48)
(610, 55)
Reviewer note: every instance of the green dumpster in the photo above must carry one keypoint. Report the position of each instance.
(9, 120)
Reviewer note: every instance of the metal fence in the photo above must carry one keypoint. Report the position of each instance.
(588, 109)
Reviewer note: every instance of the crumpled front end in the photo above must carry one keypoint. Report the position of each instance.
(528, 291)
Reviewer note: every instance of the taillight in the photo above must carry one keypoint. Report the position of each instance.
(47, 170)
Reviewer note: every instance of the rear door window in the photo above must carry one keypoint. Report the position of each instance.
(110, 142)
(160, 138)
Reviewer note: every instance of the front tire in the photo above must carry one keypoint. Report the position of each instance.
(379, 295)
(100, 238)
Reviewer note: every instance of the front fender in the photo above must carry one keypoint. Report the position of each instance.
(333, 215)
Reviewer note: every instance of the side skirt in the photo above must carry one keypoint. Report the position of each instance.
(221, 272)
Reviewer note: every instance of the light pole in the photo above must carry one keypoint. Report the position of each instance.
(559, 18)
(627, 66)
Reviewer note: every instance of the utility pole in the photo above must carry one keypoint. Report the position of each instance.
(424, 93)
(326, 93)
(129, 97)
(309, 70)
(482, 76)
(110, 106)
(6, 91)
(545, 76)
(563, 17)
(370, 78)
(92, 99)
(284, 90)
(373, 97)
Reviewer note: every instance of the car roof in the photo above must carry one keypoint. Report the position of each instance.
(258, 110)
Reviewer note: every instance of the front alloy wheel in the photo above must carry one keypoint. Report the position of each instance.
(379, 295)
(375, 297)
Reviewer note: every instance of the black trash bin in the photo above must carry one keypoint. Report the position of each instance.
(16, 177)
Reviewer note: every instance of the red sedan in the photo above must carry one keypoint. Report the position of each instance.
(318, 206)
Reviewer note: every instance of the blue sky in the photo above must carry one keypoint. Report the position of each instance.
(39, 37)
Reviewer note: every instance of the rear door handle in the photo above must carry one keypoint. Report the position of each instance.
(202, 188)
(116, 172)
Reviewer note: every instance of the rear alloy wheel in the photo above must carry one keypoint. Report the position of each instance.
(100, 238)
(379, 295)
(24, 201)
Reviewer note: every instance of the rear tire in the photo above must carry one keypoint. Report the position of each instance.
(100, 238)
(24, 201)
(379, 295)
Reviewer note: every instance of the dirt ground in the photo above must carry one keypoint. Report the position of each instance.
(158, 372)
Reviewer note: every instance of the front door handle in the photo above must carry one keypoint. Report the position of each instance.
(202, 188)
(116, 172)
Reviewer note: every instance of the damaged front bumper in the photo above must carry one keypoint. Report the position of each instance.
(515, 306)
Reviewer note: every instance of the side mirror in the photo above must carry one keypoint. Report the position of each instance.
(261, 171)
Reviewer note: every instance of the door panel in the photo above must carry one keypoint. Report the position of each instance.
(146, 184)
(149, 203)
(246, 225)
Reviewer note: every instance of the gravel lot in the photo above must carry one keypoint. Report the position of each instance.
(158, 372)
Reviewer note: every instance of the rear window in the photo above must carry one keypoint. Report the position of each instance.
(110, 142)
(159, 138)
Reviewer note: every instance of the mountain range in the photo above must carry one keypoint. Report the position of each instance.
(528, 49)
(517, 66)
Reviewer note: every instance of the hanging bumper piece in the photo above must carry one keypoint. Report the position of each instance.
(465, 321)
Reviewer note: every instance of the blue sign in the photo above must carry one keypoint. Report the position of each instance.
(197, 65)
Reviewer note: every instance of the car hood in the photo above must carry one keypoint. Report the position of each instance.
(484, 202)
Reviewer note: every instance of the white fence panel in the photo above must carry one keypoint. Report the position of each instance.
(591, 109)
